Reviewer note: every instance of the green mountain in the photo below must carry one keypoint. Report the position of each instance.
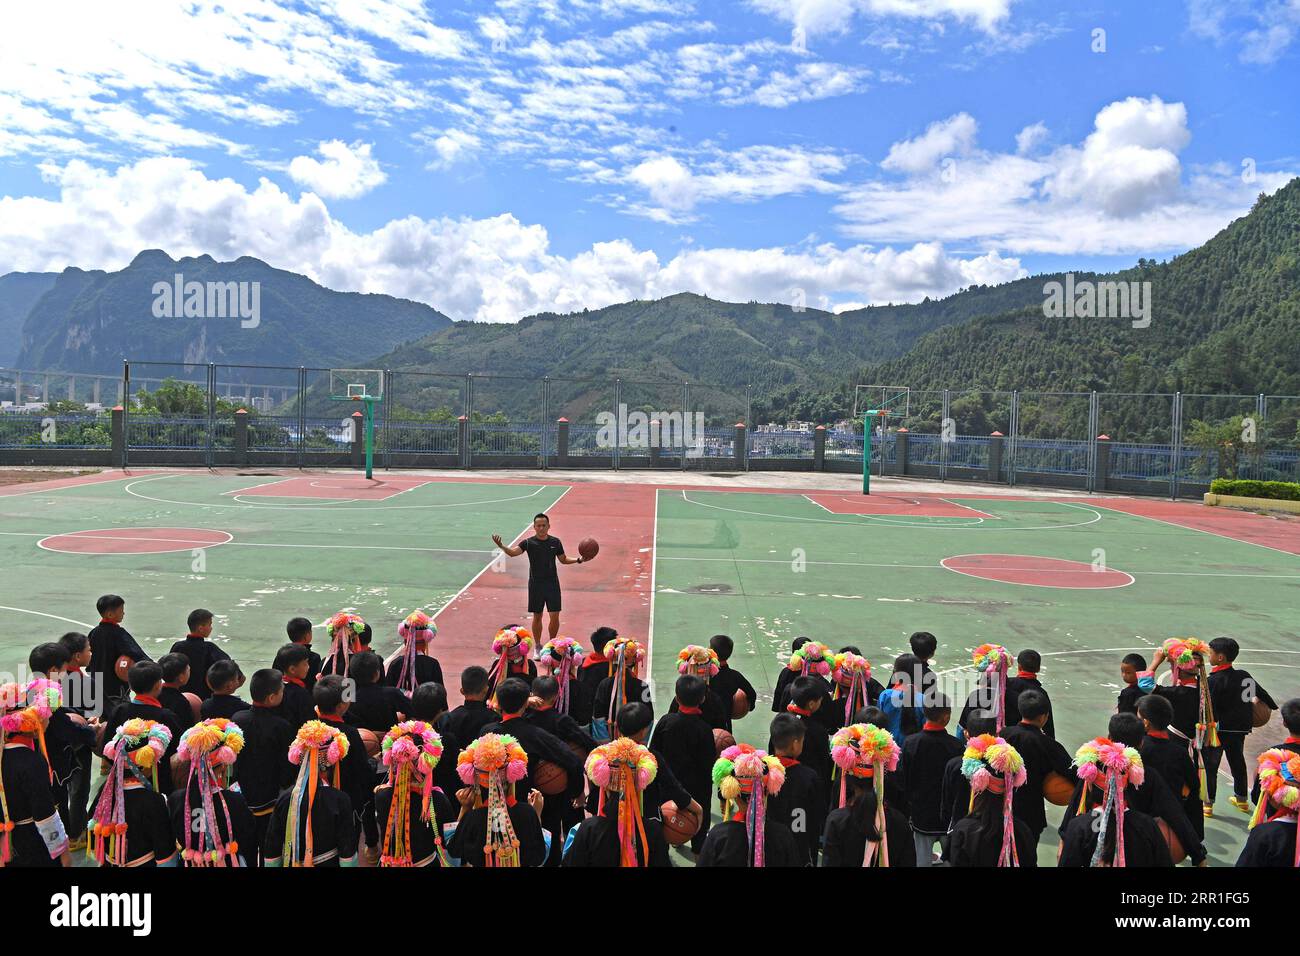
(242, 312)
(18, 293)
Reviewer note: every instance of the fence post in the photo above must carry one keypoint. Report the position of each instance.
(562, 442)
(901, 450)
(462, 440)
(358, 440)
(118, 431)
(545, 421)
(995, 457)
(1176, 447)
(739, 446)
(654, 442)
(618, 422)
(1015, 437)
(1101, 464)
(686, 406)
(819, 448)
(943, 426)
(241, 437)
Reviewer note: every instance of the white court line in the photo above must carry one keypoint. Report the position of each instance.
(985, 514)
(53, 617)
(1096, 516)
(972, 574)
(50, 491)
(487, 567)
(266, 484)
(1184, 527)
(883, 519)
(324, 502)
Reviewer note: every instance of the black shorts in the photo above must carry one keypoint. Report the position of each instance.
(543, 595)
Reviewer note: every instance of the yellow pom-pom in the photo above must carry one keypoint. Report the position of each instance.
(729, 788)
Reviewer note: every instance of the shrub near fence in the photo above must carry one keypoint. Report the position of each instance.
(1245, 488)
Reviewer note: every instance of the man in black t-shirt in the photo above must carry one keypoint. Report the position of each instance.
(543, 551)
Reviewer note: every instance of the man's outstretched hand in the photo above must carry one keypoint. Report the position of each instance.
(496, 539)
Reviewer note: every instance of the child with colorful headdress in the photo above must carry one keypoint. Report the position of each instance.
(745, 778)
(561, 658)
(620, 834)
(1106, 830)
(622, 686)
(851, 675)
(413, 665)
(31, 831)
(695, 660)
(1272, 840)
(991, 835)
(992, 663)
(495, 830)
(812, 658)
(863, 754)
(214, 826)
(131, 825)
(512, 652)
(410, 808)
(313, 822)
(346, 630)
(1189, 693)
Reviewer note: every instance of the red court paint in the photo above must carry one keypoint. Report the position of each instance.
(1036, 571)
(919, 506)
(1280, 534)
(134, 540)
(333, 487)
(613, 589)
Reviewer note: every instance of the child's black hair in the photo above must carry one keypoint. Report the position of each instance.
(1030, 660)
(1136, 661)
(870, 714)
(635, 717)
(786, 729)
(1226, 646)
(198, 617)
(1291, 715)
(1157, 711)
(722, 645)
(46, 657)
(298, 628)
(75, 642)
(366, 667)
(327, 693)
(265, 682)
(546, 687)
(690, 690)
(473, 680)
(290, 655)
(1126, 729)
(367, 633)
(923, 644)
(1032, 704)
(428, 701)
(173, 666)
(512, 695)
(144, 676)
(937, 705)
(602, 636)
(851, 649)
(804, 690)
(109, 602)
(981, 722)
(222, 674)
(798, 642)
(909, 667)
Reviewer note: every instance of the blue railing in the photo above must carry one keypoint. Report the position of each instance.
(1051, 457)
(57, 431)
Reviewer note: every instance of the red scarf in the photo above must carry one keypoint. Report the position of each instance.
(1220, 667)
(1158, 734)
(295, 680)
(146, 699)
(683, 709)
(796, 709)
(787, 762)
(931, 725)
(1293, 739)
(195, 637)
(328, 718)
(1027, 675)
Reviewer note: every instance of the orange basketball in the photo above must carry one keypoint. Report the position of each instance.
(121, 666)
(678, 825)
(195, 705)
(1058, 789)
(550, 778)
(373, 742)
(722, 739)
(588, 548)
(1176, 851)
(739, 705)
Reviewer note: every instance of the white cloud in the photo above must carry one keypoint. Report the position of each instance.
(495, 269)
(834, 16)
(1264, 31)
(345, 172)
(952, 136)
(1030, 138)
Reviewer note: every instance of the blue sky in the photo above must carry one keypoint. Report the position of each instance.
(496, 159)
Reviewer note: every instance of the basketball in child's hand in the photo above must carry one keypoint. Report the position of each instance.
(121, 666)
(196, 705)
(678, 825)
(550, 778)
(371, 741)
(722, 739)
(739, 705)
(588, 548)
(1057, 788)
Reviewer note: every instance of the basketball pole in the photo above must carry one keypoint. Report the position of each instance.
(370, 436)
(866, 452)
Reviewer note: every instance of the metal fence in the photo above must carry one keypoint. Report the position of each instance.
(1165, 443)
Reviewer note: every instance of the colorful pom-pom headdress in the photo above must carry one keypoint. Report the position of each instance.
(510, 646)
(745, 770)
(625, 657)
(211, 747)
(137, 748)
(701, 662)
(416, 632)
(496, 762)
(994, 661)
(993, 765)
(317, 747)
(867, 751)
(813, 658)
(851, 672)
(561, 658)
(1187, 657)
(1279, 786)
(1111, 766)
(623, 768)
(410, 750)
(24, 711)
(344, 628)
